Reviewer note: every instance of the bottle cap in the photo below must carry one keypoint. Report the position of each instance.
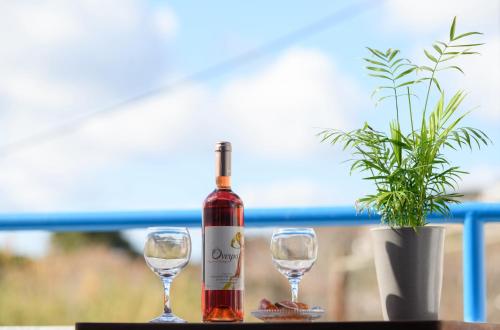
(223, 158)
(223, 146)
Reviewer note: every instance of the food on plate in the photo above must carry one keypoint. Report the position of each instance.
(266, 304)
(286, 311)
(282, 305)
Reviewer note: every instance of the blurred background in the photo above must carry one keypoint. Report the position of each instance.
(116, 105)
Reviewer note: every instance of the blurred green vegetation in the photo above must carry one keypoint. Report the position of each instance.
(89, 284)
(72, 241)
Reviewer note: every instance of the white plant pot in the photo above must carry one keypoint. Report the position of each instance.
(409, 266)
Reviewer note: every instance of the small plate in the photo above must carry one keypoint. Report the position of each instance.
(289, 315)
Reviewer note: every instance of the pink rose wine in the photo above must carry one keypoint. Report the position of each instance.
(223, 246)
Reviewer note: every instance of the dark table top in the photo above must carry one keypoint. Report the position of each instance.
(417, 325)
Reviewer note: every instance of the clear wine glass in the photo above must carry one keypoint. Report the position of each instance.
(294, 252)
(167, 251)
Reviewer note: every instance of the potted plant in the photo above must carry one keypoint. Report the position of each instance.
(411, 173)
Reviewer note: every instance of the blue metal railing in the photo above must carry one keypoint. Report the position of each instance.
(472, 215)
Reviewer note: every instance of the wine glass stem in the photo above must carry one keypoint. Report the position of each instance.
(294, 285)
(166, 297)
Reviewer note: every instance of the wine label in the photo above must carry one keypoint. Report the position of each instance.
(223, 258)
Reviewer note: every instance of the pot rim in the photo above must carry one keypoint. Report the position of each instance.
(385, 227)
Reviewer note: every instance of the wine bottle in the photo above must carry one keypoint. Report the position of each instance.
(223, 245)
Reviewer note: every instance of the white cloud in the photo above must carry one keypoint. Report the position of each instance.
(41, 177)
(423, 16)
(480, 177)
(483, 182)
(152, 125)
(33, 90)
(482, 80)
(31, 25)
(273, 112)
(278, 110)
(298, 192)
(28, 23)
(61, 59)
(87, 44)
(166, 21)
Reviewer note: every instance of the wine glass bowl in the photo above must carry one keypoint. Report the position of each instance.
(167, 251)
(294, 252)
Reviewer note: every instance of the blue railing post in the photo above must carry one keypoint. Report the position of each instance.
(473, 267)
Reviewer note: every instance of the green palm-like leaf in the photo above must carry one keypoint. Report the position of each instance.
(430, 57)
(452, 28)
(466, 35)
(411, 174)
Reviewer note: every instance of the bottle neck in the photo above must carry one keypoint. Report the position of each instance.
(223, 182)
(223, 165)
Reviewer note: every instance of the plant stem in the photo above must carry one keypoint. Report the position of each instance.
(429, 88)
(411, 114)
(427, 171)
(430, 82)
(396, 100)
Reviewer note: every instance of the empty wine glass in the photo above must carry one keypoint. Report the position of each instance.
(294, 252)
(167, 251)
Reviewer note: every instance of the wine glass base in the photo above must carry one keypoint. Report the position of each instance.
(167, 318)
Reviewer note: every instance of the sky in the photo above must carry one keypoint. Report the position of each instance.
(60, 61)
